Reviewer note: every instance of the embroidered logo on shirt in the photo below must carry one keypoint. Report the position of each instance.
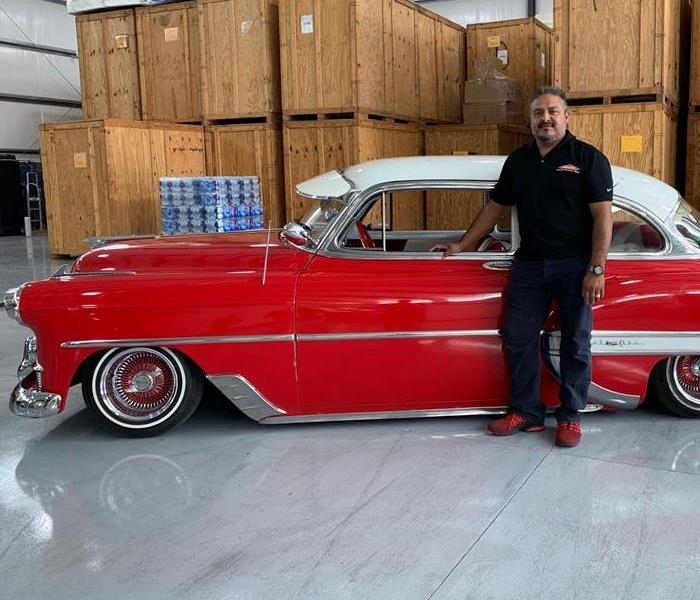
(569, 169)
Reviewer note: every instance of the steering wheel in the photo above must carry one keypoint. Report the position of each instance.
(365, 238)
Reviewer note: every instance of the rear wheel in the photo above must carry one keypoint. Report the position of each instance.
(137, 392)
(677, 385)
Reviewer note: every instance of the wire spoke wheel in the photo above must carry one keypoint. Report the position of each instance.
(142, 391)
(677, 385)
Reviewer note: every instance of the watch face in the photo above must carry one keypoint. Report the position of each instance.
(597, 269)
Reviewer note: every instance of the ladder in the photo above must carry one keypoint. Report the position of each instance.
(35, 210)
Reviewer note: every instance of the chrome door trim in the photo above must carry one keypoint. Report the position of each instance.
(394, 335)
(126, 343)
(399, 414)
(636, 343)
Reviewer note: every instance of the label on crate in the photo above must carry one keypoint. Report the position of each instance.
(631, 143)
(307, 23)
(502, 55)
(171, 34)
(542, 59)
(80, 160)
(493, 41)
(121, 41)
(246, 26)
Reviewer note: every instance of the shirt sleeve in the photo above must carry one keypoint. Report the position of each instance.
(599, 182)
(503, 192)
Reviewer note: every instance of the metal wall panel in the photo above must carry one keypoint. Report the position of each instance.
(19, 124)
(29, 73)
(466, 12)
(39, 22)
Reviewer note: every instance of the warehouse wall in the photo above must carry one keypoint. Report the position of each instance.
(465, 12)
(40, 78)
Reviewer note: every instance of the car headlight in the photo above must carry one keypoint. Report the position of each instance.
(11, 302)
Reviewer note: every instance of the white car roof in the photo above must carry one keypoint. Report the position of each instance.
(653, 195)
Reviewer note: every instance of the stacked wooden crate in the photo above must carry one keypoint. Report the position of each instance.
(101, 176)
(210, 63)
(621, 66)
(456, 210)
(359, 78)
(522, 46)
(692, 182)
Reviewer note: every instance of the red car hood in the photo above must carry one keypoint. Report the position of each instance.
(186, 254)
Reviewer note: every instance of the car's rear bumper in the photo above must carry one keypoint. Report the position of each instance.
(28, 399)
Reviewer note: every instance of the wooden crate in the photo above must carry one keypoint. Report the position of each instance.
(169, 62)
(457, 209)
(253, 149)
(108, 60)
(101, 177)
(620, 50)
(370, 56)
(524, 47)
(639, 136)
(692, 180)
(311, 148)
(239, 41)
(695, 56)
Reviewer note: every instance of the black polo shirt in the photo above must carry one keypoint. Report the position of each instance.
(552, 194)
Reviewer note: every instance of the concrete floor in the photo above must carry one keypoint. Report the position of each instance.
(223, 508)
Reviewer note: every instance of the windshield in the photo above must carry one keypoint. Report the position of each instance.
(687, 222)
(320, 215)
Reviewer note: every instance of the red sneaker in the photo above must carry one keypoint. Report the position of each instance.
(568, 434)
(512, 423)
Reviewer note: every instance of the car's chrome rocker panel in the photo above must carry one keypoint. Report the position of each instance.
(27, 401)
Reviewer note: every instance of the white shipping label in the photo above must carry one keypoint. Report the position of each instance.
(246, 26)
(171, 34)
(307, 23)
(503, 55)
(542, 58)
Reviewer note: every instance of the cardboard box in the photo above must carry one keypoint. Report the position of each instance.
(501, 89)
(492, 112)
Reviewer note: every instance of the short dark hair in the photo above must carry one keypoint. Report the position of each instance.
(548, 89)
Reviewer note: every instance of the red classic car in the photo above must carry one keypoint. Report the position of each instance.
(347, 314)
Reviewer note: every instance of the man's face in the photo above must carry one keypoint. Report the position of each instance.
(548, 119)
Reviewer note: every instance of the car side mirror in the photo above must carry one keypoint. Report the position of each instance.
(297, 233)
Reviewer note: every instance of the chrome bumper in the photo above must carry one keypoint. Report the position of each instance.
(27, 399)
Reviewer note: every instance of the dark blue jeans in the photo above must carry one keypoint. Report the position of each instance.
(532, 287)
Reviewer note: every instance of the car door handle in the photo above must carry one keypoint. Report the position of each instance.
(499, 265)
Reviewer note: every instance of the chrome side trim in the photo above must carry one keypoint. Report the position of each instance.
(245, 397)
(11, 301)
(126, 343)
(599, 394)
(394, 335)
(636, 343)
(34, 403)
(399, 414)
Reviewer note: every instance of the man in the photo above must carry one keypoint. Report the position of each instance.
(562, 189)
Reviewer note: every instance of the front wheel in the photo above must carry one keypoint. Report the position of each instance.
(677, 385)
(138, 392)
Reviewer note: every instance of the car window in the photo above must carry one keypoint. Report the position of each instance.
(416, 220)
(631, 234)
(687, 222)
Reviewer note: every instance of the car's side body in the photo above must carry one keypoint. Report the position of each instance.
(293, 332)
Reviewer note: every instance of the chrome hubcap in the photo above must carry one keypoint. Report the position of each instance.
(139, 384)
(686, 376)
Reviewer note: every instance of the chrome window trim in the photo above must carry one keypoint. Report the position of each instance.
(674, 247)
(330, 242)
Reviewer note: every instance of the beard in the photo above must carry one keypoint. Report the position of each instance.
(547, 136)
